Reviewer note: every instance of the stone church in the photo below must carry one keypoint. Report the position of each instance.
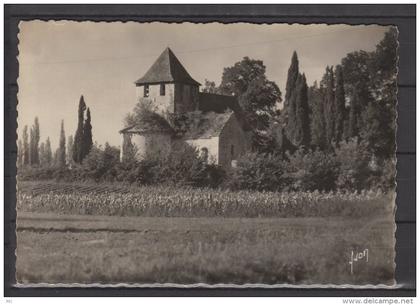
(217, 127)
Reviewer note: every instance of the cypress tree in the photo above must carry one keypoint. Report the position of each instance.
(317, 120)
(87, 134)
(302, 132)
(48, 152)
(340, 105)
(70, 144)
(329, 106)
(25, 146)
(292, 76)
(78, 138)
(290, 97)
(62, 148)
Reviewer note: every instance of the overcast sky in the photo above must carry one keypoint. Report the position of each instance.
(59, 61)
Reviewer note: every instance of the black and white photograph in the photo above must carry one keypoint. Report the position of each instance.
(153, 154)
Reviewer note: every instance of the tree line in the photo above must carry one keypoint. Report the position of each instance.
(33, 153)
(338, 133)
(354, 99)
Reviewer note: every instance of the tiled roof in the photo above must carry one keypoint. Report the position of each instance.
(208, 125)
(168, 69)
(152, 123)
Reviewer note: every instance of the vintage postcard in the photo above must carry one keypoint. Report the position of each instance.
(183, 154)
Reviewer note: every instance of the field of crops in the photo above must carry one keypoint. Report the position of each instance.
(75, 233)
(160, 201)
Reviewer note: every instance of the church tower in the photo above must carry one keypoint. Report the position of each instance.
(168, 86)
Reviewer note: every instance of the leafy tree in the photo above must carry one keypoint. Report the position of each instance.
(87, 134)
(358, 85)
(210, 87)
(78, 138)
(340, 105)
(61, 157)
(257, 95)
(384, 82)
(25, 146)
(355, 119)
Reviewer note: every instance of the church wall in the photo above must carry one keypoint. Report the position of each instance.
(232, 135)
(212, 145)
(162, 103)
(154, 143)
(186, 98)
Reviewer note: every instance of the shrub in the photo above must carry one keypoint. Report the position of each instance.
(354, 169)
(312, 170)
(262, 172)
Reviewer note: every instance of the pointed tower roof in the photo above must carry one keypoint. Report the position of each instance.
(168, 69)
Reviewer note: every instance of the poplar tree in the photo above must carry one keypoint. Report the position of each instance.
(87, 134)
(36, 141)
(78, 138)
(20, 154)
(61, 158)
(340, 105)
(48, 152)
(42, 154)
(25, 145)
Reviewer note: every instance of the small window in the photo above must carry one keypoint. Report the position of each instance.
(162, 89)
(232, 151)
(204, 154)
(146, 91)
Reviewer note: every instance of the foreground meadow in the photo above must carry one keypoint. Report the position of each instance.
(63, 244)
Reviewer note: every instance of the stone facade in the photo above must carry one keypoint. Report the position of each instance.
(162, 103)
(233, 142)
(146, 143)
(176, 98)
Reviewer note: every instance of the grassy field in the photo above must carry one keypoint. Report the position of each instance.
(65, 248)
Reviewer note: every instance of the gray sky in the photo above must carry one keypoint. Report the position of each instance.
(59, 61)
